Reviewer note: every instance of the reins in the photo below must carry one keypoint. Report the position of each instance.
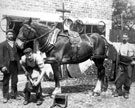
(42, 34)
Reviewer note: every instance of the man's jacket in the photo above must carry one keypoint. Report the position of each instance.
(5, 55)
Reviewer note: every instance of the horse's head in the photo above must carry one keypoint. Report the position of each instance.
(26, 33)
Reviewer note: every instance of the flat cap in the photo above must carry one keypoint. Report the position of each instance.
(10, 30)
(27, 50)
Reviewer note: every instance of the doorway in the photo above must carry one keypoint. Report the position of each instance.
(15, 23)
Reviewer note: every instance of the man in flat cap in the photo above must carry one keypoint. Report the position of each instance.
(34, 68)
(126, 55)
(9, 65)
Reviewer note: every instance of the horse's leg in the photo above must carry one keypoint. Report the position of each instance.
(56, 71)
(100, 75)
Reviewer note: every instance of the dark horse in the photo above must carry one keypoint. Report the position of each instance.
(62, 51)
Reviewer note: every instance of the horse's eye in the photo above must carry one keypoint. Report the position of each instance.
(24, 28)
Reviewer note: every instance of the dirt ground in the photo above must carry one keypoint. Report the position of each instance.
(79, 91)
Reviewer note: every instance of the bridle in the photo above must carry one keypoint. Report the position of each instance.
(32, 30)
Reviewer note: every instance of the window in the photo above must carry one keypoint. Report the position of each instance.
(89, 29)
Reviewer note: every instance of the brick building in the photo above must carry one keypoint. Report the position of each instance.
(89, 11)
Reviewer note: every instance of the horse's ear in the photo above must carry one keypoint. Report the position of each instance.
(30, 20)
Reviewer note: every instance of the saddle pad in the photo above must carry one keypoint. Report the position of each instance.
(74, 37)
(54, 35)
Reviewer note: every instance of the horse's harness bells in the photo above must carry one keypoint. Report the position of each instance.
(60, 100)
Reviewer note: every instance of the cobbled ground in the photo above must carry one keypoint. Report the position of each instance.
(79, 91)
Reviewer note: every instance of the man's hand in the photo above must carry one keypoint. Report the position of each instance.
(35, 83)
(4, 69)
(133, 62)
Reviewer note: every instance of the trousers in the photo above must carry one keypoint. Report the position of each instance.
(13, 74)
(30, 88)
(124, 79)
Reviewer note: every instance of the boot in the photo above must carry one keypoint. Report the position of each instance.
(27, 98)
(39, 99)
(5, 100)
(126, 95)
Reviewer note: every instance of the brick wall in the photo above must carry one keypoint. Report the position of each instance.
(87, 10)
(79, 8)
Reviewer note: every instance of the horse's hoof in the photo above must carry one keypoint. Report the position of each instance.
(104, 89)
(95, 94)
(57, 91)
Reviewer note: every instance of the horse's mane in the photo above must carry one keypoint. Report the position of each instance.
(40, 27)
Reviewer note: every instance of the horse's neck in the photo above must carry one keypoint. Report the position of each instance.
(40, 28)
(41, 33)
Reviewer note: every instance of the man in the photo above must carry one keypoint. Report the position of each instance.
(33, 63)
(126, 53)
(101, 28)
(9, 65)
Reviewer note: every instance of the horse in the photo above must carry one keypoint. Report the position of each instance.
(63, 52)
